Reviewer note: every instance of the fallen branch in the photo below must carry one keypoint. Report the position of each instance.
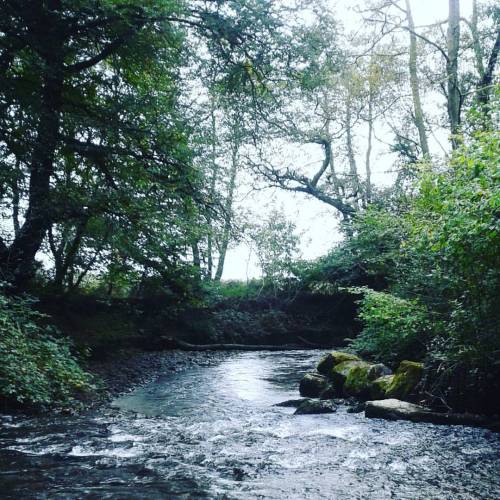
(171, 343)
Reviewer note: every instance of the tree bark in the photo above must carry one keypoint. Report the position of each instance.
(15, 202)
(17, 261)
(353, 169)
(228, 215)
(65, 257)
(478, 49)
(415, 89)
(453, 44)
(368, 169)
(196, 255)
(486, 81)
(213, 183)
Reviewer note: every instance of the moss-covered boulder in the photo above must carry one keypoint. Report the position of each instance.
(379, 387)
(406, 379)
(357, 382)
(328, 361)
(338, 374)
(355, 378)
(313, 384)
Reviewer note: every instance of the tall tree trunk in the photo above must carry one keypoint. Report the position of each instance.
(17, 261)
(67, 254)
(228, 215)
(453, 43)
(57, 252)
(213, 183)
(196, 255)
(16, 201)
(368, 168)
(353, 169)
(486, 81)
(415, 88)
(476, 43)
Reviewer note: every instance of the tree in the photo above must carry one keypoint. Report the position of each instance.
(90, 98)
(276, 244)
(67, 73)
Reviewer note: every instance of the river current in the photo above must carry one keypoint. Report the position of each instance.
(213, 432)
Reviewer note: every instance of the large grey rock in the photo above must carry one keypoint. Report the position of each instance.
(313, 407)
(395, 409)
(312, 385)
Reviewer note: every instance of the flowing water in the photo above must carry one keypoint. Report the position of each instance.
(213, 432)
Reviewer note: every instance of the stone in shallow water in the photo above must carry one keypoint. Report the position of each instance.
(313, 407)
(312, 385)
(329, 393)
(291, 403)
(357, 408)
(394, 409)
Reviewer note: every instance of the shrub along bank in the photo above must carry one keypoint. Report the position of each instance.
(38, 366)
(428, 263)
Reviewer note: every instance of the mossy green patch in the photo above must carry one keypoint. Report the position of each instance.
(406, 379)
(358, 382)
(328, 361)
(340, 372)
(379, 387)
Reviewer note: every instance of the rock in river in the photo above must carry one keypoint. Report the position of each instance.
(394, 409)
(406, 379)
(312, 407)
(328, 361)
(291, 403)
(313, 384)
(380, 386)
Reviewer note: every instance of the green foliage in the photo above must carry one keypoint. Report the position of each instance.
(393, 328)
(276, 244)
(37, 367)
(369, 255)
(233, 289)
(440, 261)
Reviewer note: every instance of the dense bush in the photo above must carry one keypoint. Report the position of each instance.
(394, 328)
(38, 368)
(443, 276)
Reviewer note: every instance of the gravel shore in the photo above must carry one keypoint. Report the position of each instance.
(129, 369)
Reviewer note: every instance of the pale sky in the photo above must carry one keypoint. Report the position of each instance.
(316, 221)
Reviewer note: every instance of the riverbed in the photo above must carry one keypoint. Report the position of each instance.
(214, 432)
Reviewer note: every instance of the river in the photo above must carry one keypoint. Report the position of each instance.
(213, 432)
